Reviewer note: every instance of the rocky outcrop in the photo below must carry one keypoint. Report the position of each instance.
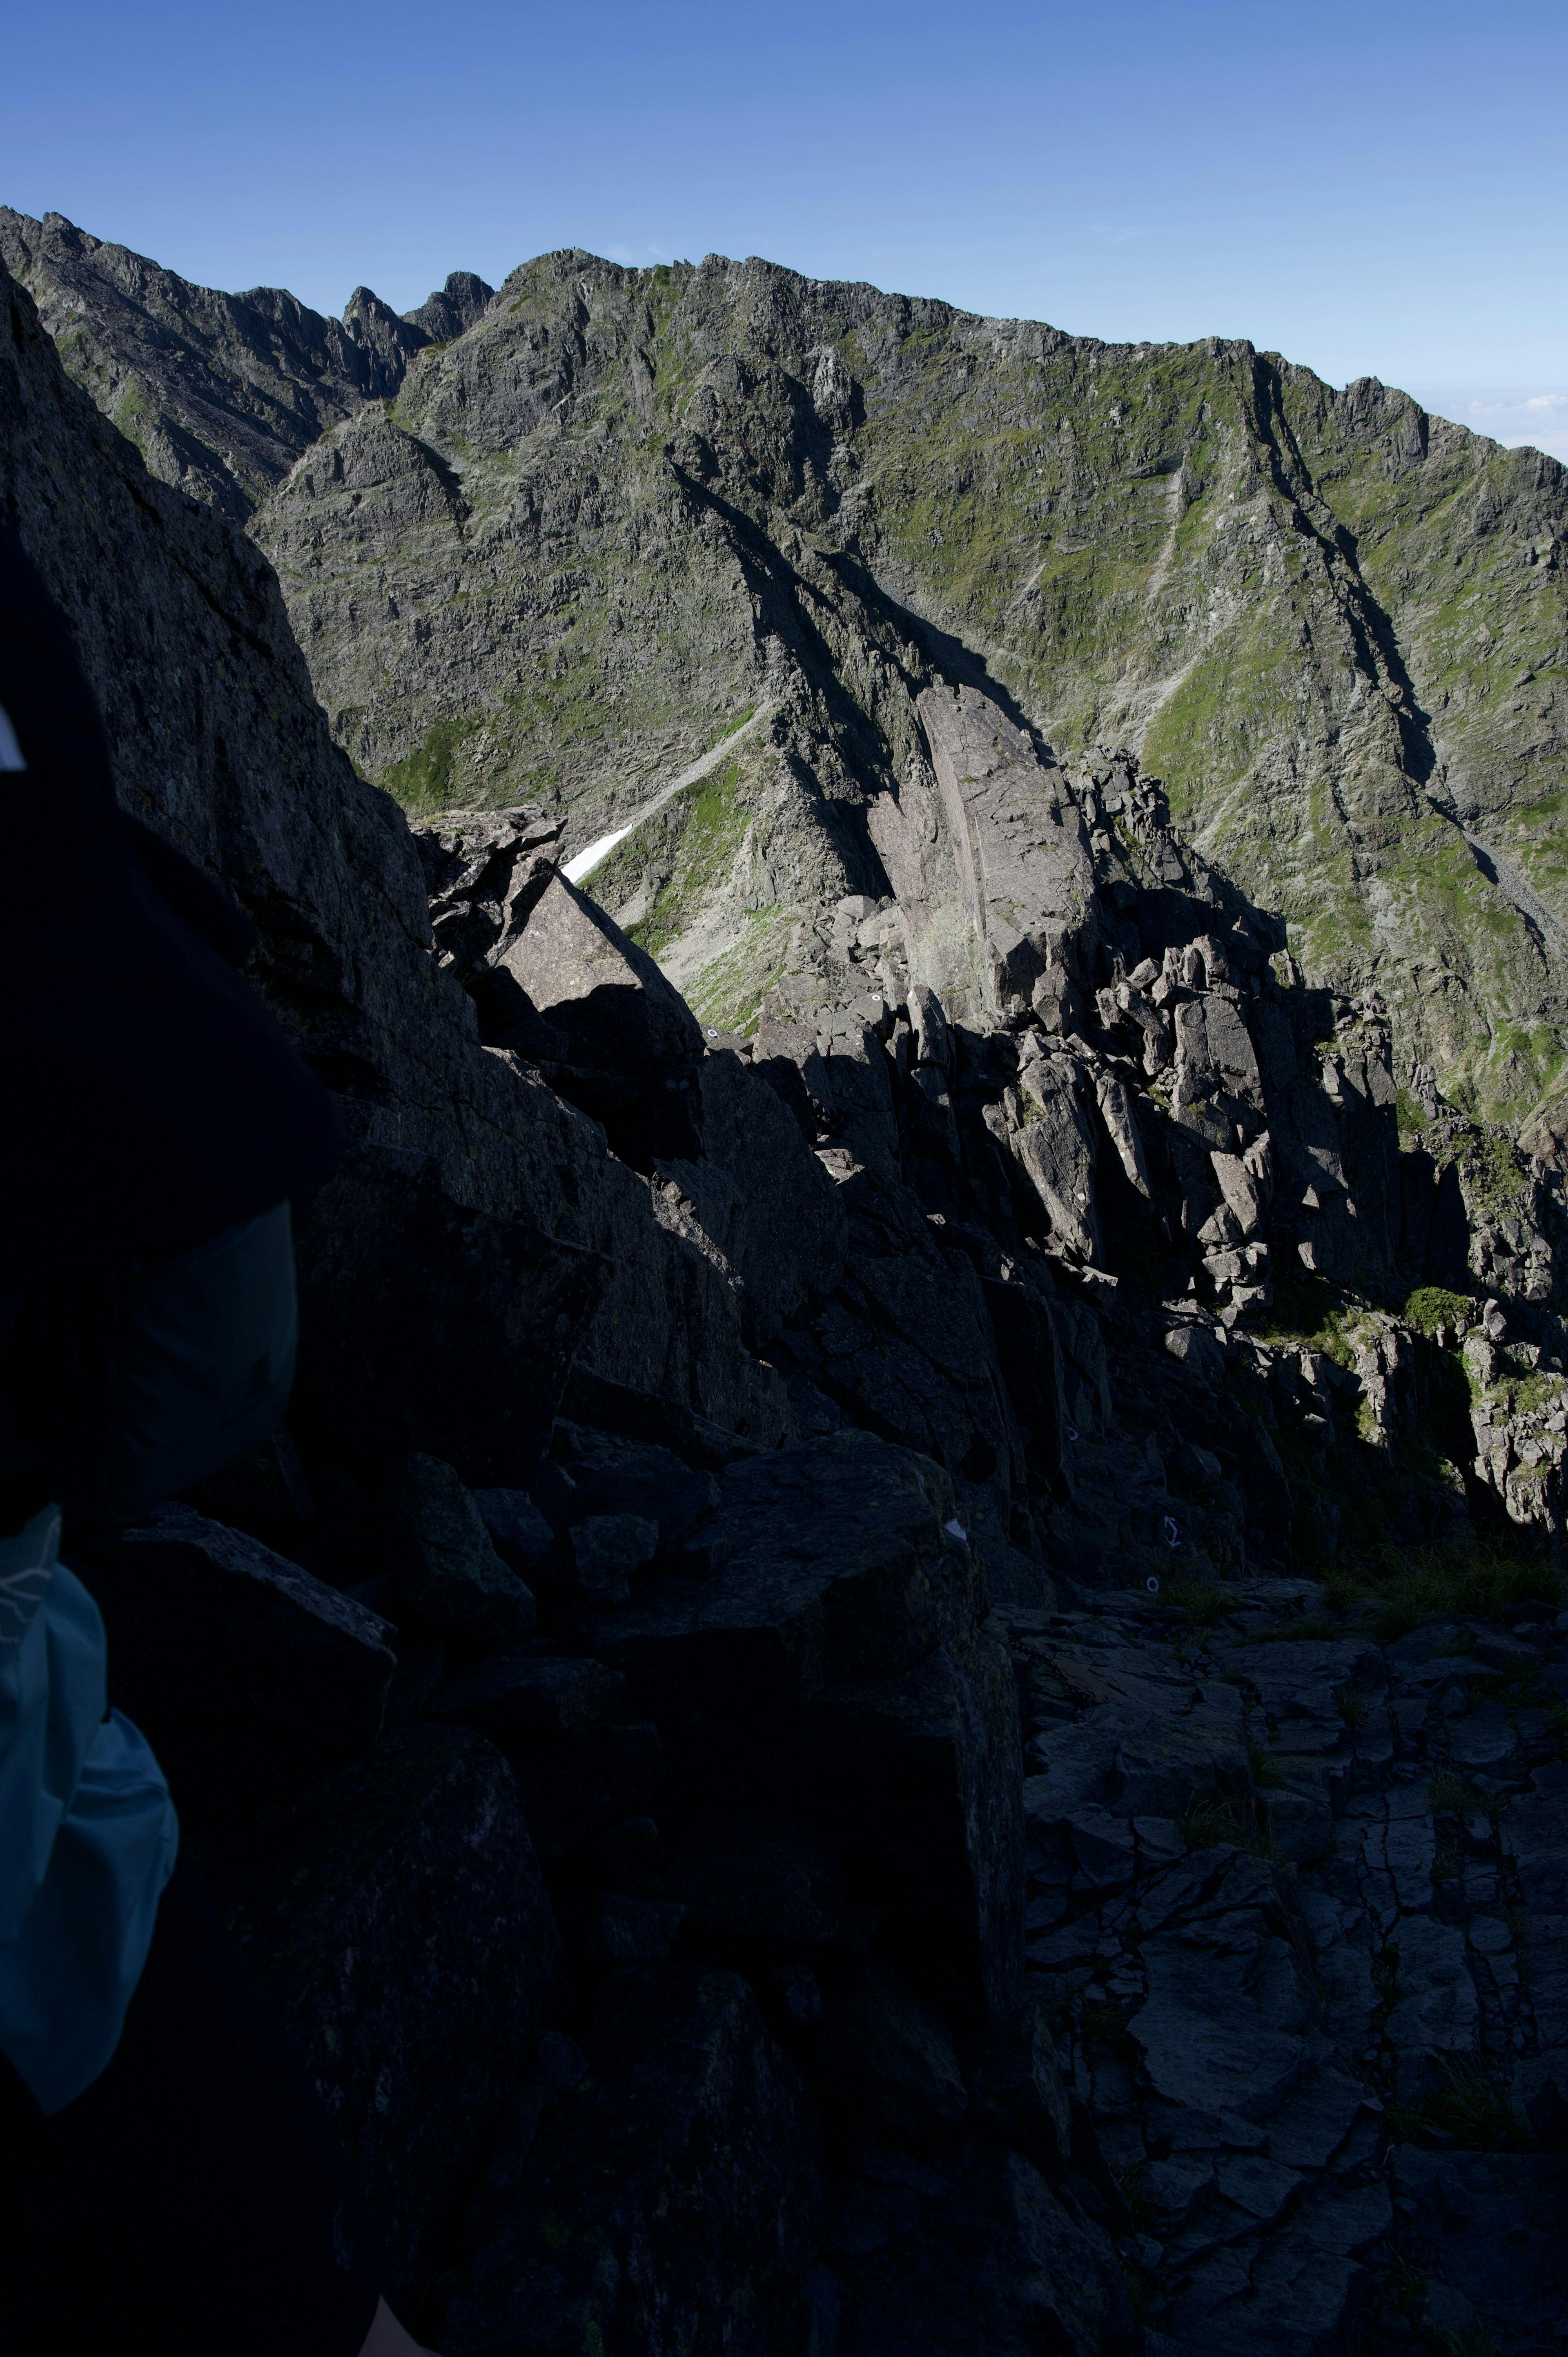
(784, 483)
(715, 1605)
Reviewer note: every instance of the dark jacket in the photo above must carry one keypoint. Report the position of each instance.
(150, 1099)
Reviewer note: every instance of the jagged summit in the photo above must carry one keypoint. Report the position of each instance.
(219, 391)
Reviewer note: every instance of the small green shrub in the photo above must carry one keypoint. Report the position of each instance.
(1265, 1768)
(1430, 1307)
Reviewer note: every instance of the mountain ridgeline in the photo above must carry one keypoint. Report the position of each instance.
(554, 543)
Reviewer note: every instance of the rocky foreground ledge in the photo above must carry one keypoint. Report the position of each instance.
(664, 1970)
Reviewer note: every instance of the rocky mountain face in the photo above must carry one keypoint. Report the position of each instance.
(618, 514)
(798, 1720)
(220, 392)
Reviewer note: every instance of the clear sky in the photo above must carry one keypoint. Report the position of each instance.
(1373, 188)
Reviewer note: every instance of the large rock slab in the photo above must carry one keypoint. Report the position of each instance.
(821, 1563)
(1229, 1989)
(1024, 872)
(448, 1569)
(402, 1923)
(672, 2205)
(607, 997)
(250, 1678)
(1054, 1148)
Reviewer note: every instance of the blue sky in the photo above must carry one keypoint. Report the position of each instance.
(1373, 189)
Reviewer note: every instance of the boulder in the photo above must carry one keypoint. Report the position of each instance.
(823, 1563)
(586, 978)
(606, 1550)
(517, 1530)
(250, 1678)
(1196, 1350)
(448, 1570)
(654, 1484)
(519, 1696)
(673, 2203)
(402, 1881)
(1054, 1149)
(933, 1036)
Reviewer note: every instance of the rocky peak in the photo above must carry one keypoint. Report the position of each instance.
(452, 309)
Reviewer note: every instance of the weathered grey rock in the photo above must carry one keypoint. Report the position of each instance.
(1053, 1147)
(401, 1882)
(1221, 2028)
(835, 1082)
(452, 309)
(1029, 1356)
(517, 1528)
(999, 2265)
(606, 1550)
(1301, 1824)
(517, 1697)
(762, 1196)
(933, 1037)
(1022, 866)
(1015, 2085)
(608, 995)
(917, 1779)
(618, 1476)
(821, 1563)
(1195, 1347)
(220, 392)
(1490, 2227)
(448, 1570)
(431, 1326)
(249, 1677)
(896, 2054)
(673, 2203)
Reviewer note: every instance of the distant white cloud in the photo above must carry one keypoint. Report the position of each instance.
(1111, 235)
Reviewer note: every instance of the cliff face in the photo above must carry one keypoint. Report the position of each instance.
(220, 392)
(886, 1594)
(616, 514)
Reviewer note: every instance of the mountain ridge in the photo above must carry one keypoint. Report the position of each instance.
(620, 509)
